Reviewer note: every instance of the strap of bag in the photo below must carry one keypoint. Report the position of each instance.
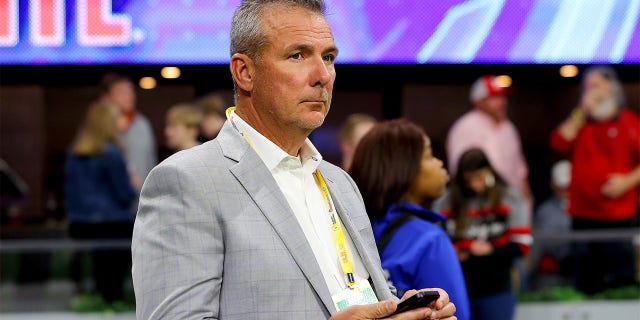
(392, 227)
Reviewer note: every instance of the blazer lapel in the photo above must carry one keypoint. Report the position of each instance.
(263, 189)
(371, 262)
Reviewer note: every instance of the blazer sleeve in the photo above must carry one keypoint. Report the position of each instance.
(177, 248)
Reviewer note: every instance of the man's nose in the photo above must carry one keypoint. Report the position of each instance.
(322, 74)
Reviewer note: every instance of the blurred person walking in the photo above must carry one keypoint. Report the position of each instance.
(98, 192)
(399, 178)
(602, 139)
(551, 261)
(488, 127)
(135, 129)
(490, 228)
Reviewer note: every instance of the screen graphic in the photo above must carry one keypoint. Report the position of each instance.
(366, 31)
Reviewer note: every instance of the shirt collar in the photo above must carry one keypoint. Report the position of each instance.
(270, 153)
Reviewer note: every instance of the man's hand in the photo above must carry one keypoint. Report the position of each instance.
(570, 127)
(481, 248)
(590, 100)
(366, 312)
(616, 186)
(440, 309)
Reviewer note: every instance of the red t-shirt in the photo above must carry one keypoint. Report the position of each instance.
(599, 150)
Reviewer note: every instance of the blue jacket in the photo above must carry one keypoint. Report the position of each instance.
(97, 188)
(421, 255)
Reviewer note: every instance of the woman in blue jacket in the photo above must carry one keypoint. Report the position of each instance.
(99, 193)
(399, 178)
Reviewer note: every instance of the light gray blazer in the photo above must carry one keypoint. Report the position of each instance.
(215, 238)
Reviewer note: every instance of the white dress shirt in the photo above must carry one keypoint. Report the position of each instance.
(294, 176)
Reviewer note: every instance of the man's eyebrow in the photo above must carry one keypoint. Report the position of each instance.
(332, 49)
(306, 47)
(300, 47)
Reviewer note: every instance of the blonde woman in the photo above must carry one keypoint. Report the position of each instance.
(98, 194)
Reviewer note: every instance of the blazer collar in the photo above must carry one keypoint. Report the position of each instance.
(256, 178)
(368, 255)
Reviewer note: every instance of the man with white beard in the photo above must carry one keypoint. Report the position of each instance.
(603, 141)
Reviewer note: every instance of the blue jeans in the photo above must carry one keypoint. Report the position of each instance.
(499, 306)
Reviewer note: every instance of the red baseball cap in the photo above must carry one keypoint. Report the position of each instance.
(486, 86)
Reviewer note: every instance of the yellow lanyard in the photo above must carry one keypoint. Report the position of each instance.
(242, 133)
(339, 238)
(336, 230)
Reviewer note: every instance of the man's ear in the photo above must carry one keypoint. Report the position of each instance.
(242, 68)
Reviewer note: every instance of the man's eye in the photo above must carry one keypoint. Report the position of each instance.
(329, 58)
(296, 56)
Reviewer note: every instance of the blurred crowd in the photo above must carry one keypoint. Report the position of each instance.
(471, 207)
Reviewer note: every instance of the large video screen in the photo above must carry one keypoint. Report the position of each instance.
(366, 31)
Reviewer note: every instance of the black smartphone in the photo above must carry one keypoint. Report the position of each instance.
(418, 300)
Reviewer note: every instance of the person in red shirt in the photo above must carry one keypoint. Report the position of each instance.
(602, 139)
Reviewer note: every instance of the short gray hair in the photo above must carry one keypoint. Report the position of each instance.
(247, 34)
(609, 74)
